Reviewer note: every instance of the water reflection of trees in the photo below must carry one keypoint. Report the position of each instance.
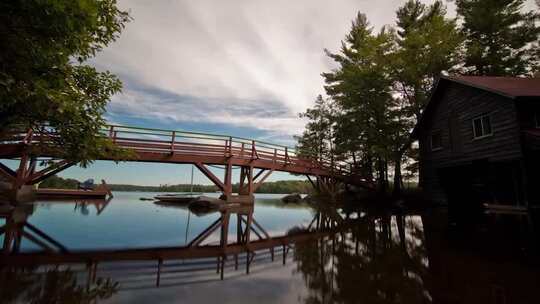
(53, 285)
(381, 260)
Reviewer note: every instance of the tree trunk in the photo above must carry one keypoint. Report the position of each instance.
(397, 177)
(386, 173)
(368, 166)
(382, 176)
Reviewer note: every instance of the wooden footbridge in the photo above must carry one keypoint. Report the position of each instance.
(257, 160)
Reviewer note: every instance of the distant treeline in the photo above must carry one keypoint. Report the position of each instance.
(164, 188)
(285, 187)
(58, 182)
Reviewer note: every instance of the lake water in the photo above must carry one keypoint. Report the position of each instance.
(120, 251)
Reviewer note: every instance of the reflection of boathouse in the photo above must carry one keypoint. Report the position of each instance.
(479, 139)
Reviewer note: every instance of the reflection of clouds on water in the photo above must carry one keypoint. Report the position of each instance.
(127, 222)
(267, 283)
(376, 258)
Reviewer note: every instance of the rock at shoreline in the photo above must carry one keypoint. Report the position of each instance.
(292, 198)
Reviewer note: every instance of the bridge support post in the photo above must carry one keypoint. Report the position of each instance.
(245, 187)
(228, 179)
(19, 186)
(15, 187)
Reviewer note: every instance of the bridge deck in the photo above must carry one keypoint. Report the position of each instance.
(164, 253)
(168, 146)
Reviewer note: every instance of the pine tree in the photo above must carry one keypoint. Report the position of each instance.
(428, 44)
(361, 88)
(501, 40)
(317, 139)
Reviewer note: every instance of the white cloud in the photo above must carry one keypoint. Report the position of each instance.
(266, 115)
(231, 57)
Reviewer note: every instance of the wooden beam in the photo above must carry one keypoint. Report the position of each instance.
(210, 176)
(312, 183)
(242, 178)
(261, 229)
(21, 172)
(46, 237)
(32, 166)
(257, 185)
(248, 228)
(8, 237)
(205, 251)
(313, 221)
(37, 242)
(225, 230)
(47, 172)
(258, 174)
(158, 279)
(203, 235)
(175, 150)
(7, 172)
(101, 206)
(228, 178)
(254, 231)
(250, 180)
(239, 233)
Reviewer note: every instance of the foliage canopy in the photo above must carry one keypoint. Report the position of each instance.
(44, 80)
(501, 39)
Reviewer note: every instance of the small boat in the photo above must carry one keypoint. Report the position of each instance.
(177, 198)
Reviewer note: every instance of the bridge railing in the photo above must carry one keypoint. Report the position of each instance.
(192, 143)
(183, 142)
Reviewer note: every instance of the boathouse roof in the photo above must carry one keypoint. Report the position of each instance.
(509, 87)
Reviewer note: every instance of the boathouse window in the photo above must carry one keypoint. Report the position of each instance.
(482, 126)
(436, 140)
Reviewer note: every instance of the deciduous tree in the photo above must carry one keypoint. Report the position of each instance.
(45, 83)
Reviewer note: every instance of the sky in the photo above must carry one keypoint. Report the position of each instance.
(239, 67)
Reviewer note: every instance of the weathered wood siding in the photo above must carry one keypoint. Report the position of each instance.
(528, 112)
(453, 114)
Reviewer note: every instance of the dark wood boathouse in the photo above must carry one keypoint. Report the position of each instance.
(479, 140)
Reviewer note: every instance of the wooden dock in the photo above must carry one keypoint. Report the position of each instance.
(505, 209)
(100, 192)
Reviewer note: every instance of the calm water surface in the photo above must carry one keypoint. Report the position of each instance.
(314, 254)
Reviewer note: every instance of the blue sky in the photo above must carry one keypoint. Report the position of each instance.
(241, 67)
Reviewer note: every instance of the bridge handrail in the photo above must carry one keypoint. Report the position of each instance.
(211, 135)
(162, 140)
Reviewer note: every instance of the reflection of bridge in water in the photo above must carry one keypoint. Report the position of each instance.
(252, 243)
(257, 160)
(369, 255)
